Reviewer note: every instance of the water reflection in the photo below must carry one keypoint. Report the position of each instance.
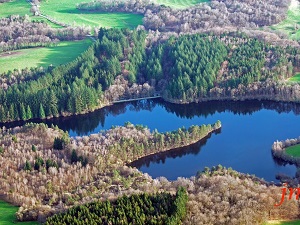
(193, 149)
(249, 129)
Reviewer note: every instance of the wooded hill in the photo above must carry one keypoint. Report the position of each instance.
(124, 64)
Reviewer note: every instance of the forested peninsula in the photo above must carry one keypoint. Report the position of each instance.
(43, 158)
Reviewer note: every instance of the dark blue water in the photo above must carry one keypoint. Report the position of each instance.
(244, 142)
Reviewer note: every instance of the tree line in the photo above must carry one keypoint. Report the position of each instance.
(217, 13)
(17, 32)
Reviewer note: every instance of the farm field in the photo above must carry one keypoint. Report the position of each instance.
(15, 7)
(63, 53)
(7, 215)
(66, 12)
(291, 25)
(179, 4)
(293, 150)
(21, 7)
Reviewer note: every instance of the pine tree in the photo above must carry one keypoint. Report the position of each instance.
(23, 114)
(29, 113)
(41, 112)
(27, 166)
(74, 157)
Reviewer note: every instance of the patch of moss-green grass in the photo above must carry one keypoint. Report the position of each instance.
(14, 7)
(8, 217)
(293, 150)
(63, 53)
(295, 78)
(66, 12)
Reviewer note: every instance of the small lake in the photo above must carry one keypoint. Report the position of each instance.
(244, 143)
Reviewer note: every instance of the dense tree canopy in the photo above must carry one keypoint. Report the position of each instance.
(183, 69)
(161, 208)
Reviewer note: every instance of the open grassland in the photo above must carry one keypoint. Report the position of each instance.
(7, 215)
(66, 12)
(277, 222)
(15, 7)
(36, 57)
(293, 151)
(179, 4)
(291, 25)
(295, 78)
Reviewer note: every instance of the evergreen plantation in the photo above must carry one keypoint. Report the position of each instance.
(161, 208)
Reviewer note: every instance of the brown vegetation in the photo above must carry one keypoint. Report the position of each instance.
(216, 196)
(44, 180)
(217, 13)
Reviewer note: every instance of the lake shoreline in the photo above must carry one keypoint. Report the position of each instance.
(172, 101)
(175, 149)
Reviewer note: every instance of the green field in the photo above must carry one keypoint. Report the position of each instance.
(16, 7)
(7, 215)
(36, 57)
(20, 7)
(66, 12)
(293, 150)
(295, 78)
(179, 4)
(291, 25)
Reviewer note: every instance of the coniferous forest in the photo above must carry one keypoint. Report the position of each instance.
(161, 208)
(182, 69)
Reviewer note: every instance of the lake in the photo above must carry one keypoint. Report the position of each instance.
(244, 143)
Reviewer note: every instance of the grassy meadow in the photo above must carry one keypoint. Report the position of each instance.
(36, 57)
(180, 4)
(293, 150)
(7, 215)
(14, 7)
(291, 25)
(66, 12)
